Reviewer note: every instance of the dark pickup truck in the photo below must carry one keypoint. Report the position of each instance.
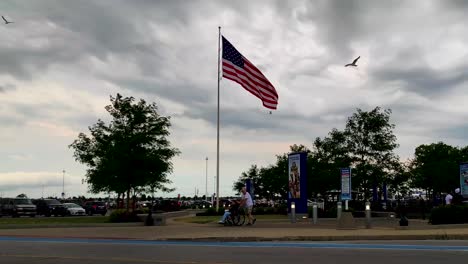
(50, 207)
(17, 207)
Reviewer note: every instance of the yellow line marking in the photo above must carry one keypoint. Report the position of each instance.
(108, 259)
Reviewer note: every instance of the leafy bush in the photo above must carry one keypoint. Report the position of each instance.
(122, 216)
(281, 209)
(269, 210)
(259, 210)
(452, 214)
(142, 211)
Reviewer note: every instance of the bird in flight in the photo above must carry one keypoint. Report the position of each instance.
(6, 21)
(354, 62)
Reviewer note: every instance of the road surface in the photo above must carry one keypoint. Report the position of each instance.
(73, 251)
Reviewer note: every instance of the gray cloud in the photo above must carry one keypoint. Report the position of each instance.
(7, 87)
(424, 81)
(114, 28)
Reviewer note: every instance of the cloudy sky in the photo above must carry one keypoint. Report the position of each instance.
(61, 60)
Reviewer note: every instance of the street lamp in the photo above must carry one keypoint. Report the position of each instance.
(206, 181)
(63, 185)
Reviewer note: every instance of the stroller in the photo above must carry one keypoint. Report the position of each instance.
(237, 216)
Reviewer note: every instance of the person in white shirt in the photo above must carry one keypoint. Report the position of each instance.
(448, 199)
(247, 203)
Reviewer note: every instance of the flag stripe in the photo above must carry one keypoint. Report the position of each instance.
(261, 93)
(248, 88)
(239, 81)
(270, 105)
(260, 75)
(253, 79)
(266, 93)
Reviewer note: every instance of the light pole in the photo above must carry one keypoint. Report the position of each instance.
(206, 181)
(63, 185)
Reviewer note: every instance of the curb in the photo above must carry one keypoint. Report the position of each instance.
(270, 239)
(322, 238)
(70, 237)
(32, 226)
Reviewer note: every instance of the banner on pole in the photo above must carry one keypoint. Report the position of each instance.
(345, 184)
(297, 181)
(464, 179)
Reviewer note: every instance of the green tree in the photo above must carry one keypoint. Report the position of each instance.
(464, 154)
(329, 154)
(370, 144)
(270, 181)
(275, 178)
(252, 173)
(435, 167)
(130, 152)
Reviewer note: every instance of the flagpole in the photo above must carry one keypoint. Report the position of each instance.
(217, 136)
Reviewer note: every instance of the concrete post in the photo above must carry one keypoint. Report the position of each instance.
(314, 212)
(293, 212)
(368, 215)
(338, 210)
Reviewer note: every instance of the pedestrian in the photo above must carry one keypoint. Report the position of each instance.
(247, 203)
(448, 199)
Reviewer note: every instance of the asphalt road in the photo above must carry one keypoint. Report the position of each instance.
(74, 251)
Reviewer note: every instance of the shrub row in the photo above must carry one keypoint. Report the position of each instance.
(451, 214)
(122, 216)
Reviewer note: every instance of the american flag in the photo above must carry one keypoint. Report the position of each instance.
(238, 69)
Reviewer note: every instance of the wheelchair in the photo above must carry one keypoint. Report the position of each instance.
(236, 218)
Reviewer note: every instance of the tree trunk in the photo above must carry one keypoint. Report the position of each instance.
(128, 199)
(118, 200)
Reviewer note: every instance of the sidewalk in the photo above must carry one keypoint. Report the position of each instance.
(261, 231)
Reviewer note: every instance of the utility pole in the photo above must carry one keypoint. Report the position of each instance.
(63, 185)
(206, 181)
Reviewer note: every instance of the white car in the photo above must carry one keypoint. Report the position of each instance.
(74, 209)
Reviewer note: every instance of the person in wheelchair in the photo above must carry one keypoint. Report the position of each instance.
(230, 211)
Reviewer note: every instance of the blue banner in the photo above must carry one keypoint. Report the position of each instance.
(297, 182)
(345, 184)
(464, 179)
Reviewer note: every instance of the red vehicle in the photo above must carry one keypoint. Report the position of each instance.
(95, 207)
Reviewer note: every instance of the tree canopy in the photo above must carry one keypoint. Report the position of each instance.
(436, 167)
(129, 153)
(366, 144)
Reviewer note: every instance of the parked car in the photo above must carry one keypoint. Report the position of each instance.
(95, 207)
(74, 209)
(203, 204)
(50, 207)
(17, 207)
(143, 204)
(166, 205)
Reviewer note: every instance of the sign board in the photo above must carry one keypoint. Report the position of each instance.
(345, 184)
(297, 181)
